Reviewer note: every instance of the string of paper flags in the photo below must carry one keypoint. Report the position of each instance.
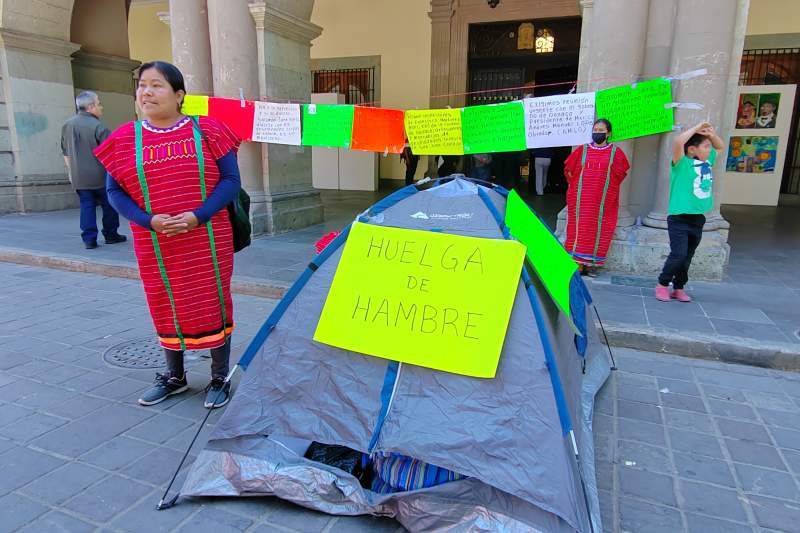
(635, 110)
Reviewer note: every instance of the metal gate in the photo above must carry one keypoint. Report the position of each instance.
(356, 84)
(491, 86)
(778, 66)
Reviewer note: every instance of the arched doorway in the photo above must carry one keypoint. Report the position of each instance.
(103, 63)
(38, 92)
(480, 50)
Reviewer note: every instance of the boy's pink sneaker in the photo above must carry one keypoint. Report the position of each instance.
(681, 296)
(662, 293)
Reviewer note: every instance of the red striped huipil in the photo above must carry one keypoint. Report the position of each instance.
(593, 201)
(173, 179)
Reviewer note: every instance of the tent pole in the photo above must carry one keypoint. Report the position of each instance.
(608, 344)
(163, 504)
(580, 475)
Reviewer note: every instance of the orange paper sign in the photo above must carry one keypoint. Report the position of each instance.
(378, 130)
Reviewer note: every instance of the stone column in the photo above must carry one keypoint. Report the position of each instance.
(191, 45)
(612, 53)
(233, 64)
(659, 61)
(727, 124)
(441, 15)
(721, 52)
(36, 97)
(283, 35)
(615, 57)
(587, 12)
(714, 47)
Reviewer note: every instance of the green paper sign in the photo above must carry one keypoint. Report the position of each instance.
(493, 128)
(327, 125)
(636, 112)
(554, 266)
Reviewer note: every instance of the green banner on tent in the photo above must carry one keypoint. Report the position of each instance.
(636, 110)
(327, 125)
(493, 128)
(554, 266)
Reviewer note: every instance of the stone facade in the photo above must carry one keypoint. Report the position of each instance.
(41, 69)
(627, 42)
(37, 97)
(225, 48)
(259, 50)
(262, 48)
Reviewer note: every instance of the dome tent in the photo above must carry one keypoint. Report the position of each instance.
(523, 438)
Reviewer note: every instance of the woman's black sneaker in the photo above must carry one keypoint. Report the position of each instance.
(218, 393)
(165, 386)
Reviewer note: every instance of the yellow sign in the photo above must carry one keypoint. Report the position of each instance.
(195, 105)
(434, 131)
(429, 299)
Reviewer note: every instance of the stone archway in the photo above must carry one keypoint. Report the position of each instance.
(450, 21)
(37, 96)
(103, 63)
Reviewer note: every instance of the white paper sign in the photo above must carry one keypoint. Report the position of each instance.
(277, 123)
(561, 120)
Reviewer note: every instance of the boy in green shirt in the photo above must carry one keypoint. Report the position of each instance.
(693, 155)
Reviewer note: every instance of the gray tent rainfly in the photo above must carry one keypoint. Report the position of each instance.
(524, 438)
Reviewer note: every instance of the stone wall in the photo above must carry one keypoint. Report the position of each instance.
(39, 97)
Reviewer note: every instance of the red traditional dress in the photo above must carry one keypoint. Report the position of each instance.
(172, 176)
(593, 200)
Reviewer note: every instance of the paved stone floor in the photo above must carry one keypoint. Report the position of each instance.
(278, 258)
(755, 303)
(757, 299)
(683, 445)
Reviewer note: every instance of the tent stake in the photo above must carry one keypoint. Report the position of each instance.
(163, 504)
(608, 344)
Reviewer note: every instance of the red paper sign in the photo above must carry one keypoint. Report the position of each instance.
(231, 112)
(378, 130)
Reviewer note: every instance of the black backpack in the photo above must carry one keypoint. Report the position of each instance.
(238, 211)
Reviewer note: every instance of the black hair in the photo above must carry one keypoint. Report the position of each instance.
(604, 121)
(169, 71)
(695, 140)
(748, 102)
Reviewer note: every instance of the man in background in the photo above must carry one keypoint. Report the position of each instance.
(80, 135)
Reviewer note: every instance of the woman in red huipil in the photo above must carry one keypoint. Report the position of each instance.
(594, 174)
(173, 176)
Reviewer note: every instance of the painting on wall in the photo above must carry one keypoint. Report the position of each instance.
(755, 155)
(757, 110)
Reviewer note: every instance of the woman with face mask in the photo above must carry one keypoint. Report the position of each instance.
(594, 174)
(173, 176)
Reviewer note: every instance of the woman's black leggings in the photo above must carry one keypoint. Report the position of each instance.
(220, 361)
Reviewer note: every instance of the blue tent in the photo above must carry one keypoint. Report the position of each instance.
(523, 439)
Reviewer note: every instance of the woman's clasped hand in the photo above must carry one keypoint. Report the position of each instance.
(174, 225)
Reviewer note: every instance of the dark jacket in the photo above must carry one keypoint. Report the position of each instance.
(80, 135)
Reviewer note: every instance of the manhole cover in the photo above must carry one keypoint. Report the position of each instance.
(137, 353)
(142, 353)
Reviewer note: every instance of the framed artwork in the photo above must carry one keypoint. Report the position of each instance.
(746, 114)
(757, 111)
(756, 155)
(767, 110)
